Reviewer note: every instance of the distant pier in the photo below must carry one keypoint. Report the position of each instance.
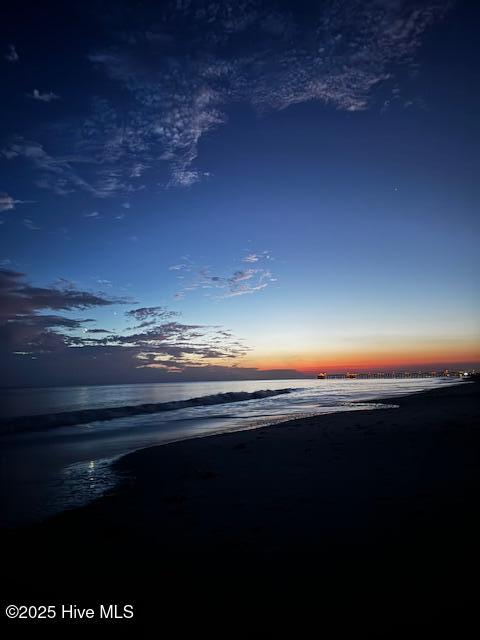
(375, 375)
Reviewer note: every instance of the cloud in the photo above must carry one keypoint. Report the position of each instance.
(19, 297)
(49, 321)
(255, 257)
(148, 312)
(151, 315)
(180, 66)
(184, 177)
(183, 266)
(92, 214)
(30, 224)
(158, 346)
(43, 97)
(24, 324)
(116, 366)
(7, 203)
(239, 288)
(29, 330)
(183, 68)
(239, 276)
(240, 282)
(56, 173)
(11, 55)
(60, 173)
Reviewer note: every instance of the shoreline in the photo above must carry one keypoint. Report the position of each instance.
(31, 422)
(54, 488)
(377, 507)
(125, 464)
(392, 402)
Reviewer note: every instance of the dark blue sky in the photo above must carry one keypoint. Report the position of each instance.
(295, 185)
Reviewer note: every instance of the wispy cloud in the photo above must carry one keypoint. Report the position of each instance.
(30, 224)
(258, 279)
(182, 266)
(43, 97)
(7, 203)
(11, 55)
(60, 173)
(253, 52)
(56, 173)
(240, 282)
(183, 64)
(255, 257)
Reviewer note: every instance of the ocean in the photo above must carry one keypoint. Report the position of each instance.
(48, 465)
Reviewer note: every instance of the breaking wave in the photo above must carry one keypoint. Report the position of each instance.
(70, 418)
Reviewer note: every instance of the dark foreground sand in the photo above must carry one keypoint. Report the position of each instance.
(360, 520)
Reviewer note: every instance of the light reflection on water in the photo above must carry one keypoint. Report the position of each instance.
(81, 483)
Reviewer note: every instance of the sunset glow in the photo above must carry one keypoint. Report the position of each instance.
(236, 219)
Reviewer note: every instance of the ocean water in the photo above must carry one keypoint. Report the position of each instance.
(55, 468)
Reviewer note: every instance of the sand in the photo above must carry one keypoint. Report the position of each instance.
(366, 519)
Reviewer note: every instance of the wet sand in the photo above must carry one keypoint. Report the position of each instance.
(364, 519)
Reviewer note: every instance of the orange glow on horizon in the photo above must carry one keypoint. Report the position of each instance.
(415, 359)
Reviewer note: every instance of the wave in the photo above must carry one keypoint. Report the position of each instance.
(70, 418)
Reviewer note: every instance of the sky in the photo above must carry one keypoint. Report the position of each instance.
(195, 190)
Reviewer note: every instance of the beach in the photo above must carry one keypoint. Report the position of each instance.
(362, 518)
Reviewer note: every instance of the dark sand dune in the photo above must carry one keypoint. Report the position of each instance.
(366, 520)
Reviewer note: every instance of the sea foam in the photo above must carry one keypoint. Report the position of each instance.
(69, 418)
